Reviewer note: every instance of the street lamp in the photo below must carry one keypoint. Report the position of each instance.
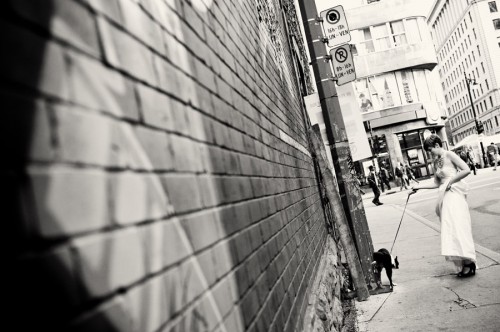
(479, 125)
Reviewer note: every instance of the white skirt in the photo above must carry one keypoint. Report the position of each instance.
(456, 230)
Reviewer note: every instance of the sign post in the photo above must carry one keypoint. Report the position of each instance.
(336, 32)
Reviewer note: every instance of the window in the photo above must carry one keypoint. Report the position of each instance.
(478, 50)
(493, 6)
(482, 66)
(487, 85)
(412, 31)
(381, 36)
(470, 17)
(367, 42)
(474, 30)
(496, 23)
(398, 33)
(491, 101)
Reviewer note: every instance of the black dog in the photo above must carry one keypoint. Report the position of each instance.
(382, 259)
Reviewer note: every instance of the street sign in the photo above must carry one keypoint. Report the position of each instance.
(335, 26)
(343, 64)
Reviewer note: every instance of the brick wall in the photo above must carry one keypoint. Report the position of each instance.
(156, 177)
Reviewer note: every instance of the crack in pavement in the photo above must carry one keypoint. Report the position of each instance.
(461, 302)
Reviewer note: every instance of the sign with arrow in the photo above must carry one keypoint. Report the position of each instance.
(343, 64)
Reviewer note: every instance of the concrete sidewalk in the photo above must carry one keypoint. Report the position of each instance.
(395, 188)
(428, 295)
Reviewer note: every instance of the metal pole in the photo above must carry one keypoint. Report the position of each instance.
(468, 81)
(337, 138)
(372, 143)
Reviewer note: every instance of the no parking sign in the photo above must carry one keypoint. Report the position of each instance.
(335, 26)
(343, 64)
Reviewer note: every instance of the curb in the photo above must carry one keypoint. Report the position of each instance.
(494, 256)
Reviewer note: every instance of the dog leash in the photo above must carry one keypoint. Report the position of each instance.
(397, 232)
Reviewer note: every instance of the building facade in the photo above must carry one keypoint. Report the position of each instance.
(158, 174)
(466, 35)
(396, 88)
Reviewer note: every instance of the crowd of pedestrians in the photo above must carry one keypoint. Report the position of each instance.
(403, 174)
(380, 181)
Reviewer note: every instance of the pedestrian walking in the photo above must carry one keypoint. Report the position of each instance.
(492, 150)
(457, 244)
(410, 175)
(373, 182)
(384, 178)
(358, 183)
(401, 174)
(463, 156)
(471, 160)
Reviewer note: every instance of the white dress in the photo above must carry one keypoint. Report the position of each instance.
(453, 211)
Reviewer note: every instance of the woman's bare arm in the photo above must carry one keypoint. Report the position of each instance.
(432, 185)
(463, 169)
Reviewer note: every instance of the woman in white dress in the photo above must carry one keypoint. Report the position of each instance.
(457, 244)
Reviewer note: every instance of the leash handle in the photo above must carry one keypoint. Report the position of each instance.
(404, 210)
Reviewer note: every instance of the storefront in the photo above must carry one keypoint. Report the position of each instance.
(414, 155)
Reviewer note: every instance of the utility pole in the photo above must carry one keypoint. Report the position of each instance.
(479, 125)
(372, 144)
(337, 138)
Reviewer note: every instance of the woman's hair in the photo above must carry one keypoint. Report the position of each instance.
(431, 141)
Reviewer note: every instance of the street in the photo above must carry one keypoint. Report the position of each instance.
(428, 295)
(483, 199)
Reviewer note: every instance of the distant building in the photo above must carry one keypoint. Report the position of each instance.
(466, 35)
(396, 90)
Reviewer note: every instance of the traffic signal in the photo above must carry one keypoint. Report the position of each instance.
(376, 145)
(480, 127)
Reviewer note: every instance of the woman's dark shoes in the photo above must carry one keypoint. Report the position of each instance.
(468, 270)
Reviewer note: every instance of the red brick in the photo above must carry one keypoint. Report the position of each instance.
(186, 154)
(249, 306)
(124, 52)
(234, 321)
(67, 20)
(69, 200)
(146, 305)
(95, 86)
(156, 147)
(202, 229)
(224, 258)
(110, 8)
(174, 50)
(156, 108)
(204, 75)
(83, 136)
(225, 294)
(167, 76)
(29, 129)
(210, 196)
(111, 313)
(108, 262)
(182, 191)
(137, 197)
(33, 62)
(139, 24)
